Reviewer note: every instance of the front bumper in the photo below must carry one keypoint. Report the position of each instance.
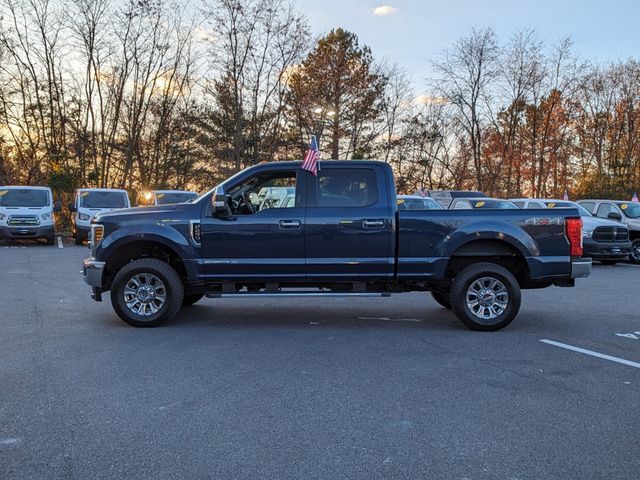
(92, 271)
(581, 268)
(606, 250)
(17, 232)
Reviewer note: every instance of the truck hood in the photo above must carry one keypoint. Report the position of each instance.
(151, 211)
(593, 222)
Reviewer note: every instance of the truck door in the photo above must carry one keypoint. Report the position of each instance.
(348, 227)
(263, 238)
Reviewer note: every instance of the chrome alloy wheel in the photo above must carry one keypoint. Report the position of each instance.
(487, 298)
(635, 251)
(144, 294)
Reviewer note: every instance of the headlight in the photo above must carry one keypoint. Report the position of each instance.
(84, 217)
(587, 233)
(45, 216)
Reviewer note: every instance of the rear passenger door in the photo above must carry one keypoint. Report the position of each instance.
(348, 228)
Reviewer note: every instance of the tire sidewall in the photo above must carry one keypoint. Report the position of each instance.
(464, 280)
(172, 285)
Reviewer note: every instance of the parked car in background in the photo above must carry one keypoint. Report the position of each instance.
(625, 212)
(165, 197)
(27, 212)
(273, 197)
(415, 202)
(88, 202)
(604, 240)
(528, 202)
(481, 202)
(445, 197)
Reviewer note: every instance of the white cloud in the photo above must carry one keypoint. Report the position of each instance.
(430, 100)
(383, 10)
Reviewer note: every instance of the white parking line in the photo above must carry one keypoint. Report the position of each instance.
(387, 319)
(60, 242)
(591, 352)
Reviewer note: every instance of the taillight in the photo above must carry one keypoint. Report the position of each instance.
(574, 234)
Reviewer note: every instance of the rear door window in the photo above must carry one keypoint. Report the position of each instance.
(347, 187)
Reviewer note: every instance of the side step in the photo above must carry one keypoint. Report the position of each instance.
(296, 294)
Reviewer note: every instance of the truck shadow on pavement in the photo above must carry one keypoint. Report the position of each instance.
(209, 313)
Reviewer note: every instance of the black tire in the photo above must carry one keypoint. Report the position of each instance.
(635, 252)
(463, 282)
(78, 238)
(442, 299)
(609, 262)
(51, 240)
(174, 292)
(189, 300)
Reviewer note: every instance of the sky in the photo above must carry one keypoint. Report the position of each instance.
(412, 33)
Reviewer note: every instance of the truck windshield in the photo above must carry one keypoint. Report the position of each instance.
(631, 210)
(174, 197)
(103, 200)
(23, 197)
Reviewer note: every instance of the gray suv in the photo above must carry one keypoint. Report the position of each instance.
(625, 212)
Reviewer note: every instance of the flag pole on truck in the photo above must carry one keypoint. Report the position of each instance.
(312, 158)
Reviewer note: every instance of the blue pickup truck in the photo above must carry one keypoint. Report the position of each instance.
(338, 234)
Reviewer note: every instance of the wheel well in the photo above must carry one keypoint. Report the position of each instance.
(634, 234)
(143, 249)
(494, 251)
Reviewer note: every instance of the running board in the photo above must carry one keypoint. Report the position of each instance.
(296, 294)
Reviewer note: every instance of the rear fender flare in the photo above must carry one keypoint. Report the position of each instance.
(505, 233)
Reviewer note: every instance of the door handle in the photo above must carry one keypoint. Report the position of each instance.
(378, 223)
(289, 224)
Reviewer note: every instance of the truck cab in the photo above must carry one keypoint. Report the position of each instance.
(88, 202)
(27, 212)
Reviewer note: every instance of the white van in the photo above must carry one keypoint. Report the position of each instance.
(90, 201)
(165, 197)
(27, 212)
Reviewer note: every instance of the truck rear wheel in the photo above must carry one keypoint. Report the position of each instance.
(147, 293)
(485, 297)
(442, 299)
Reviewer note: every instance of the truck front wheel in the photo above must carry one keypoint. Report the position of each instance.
(485, 297)
(147, 293)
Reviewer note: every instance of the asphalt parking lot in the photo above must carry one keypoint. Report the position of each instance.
(371, 388)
